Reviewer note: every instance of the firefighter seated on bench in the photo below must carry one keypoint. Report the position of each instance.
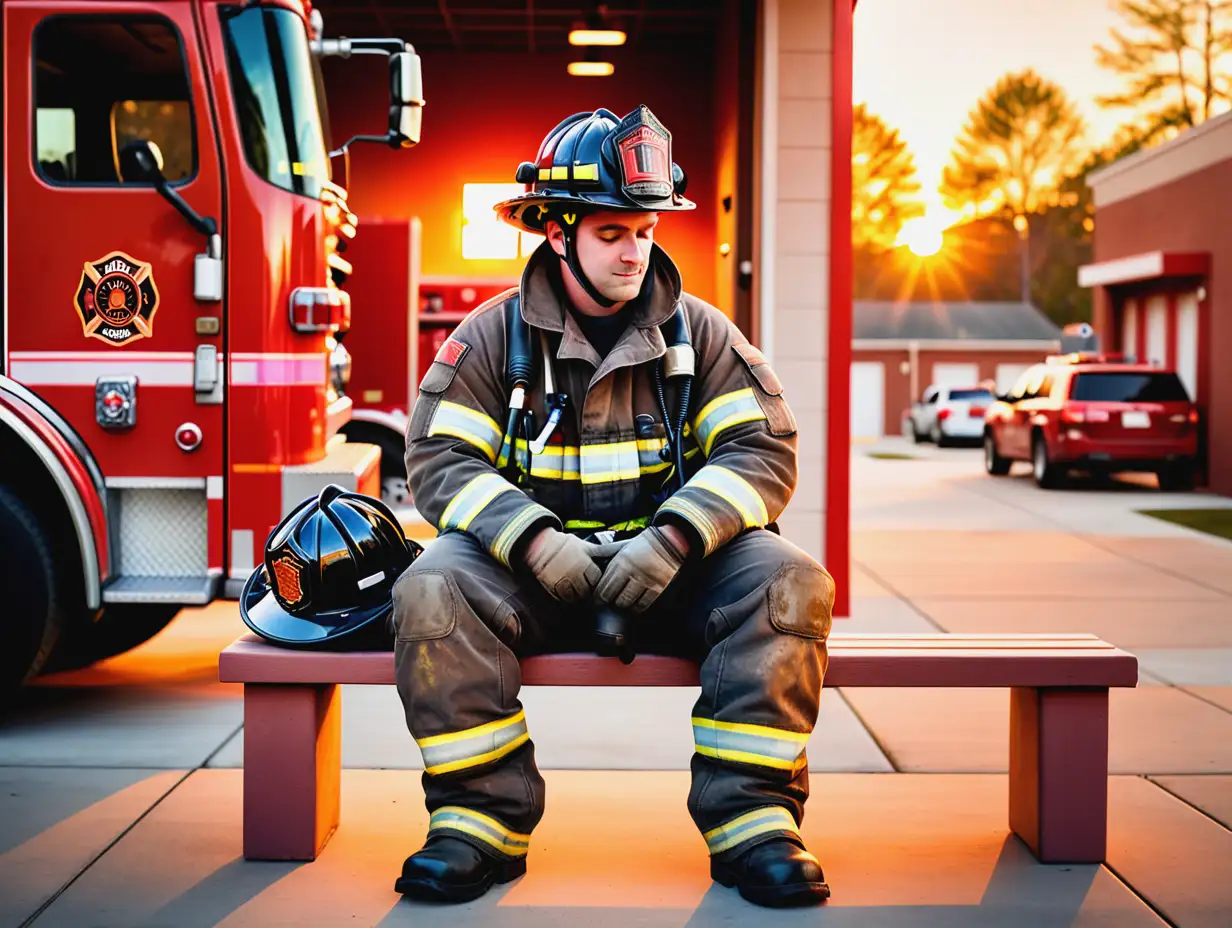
(602, 438)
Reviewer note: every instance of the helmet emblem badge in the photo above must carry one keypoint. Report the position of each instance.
(287, 577)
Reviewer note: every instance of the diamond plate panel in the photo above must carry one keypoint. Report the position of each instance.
(162, 533)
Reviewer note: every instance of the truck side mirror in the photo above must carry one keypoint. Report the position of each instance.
(142, 161)
(405, 99)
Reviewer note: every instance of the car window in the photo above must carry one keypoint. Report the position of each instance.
(1128, 387)
(972, 395)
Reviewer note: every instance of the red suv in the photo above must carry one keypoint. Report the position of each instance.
(1094, 413)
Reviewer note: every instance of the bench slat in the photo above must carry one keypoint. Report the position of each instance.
(890, 660)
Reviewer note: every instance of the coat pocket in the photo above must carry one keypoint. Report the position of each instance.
(769, 393)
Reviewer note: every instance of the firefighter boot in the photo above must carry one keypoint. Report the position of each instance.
(448, 869)
(777, 874)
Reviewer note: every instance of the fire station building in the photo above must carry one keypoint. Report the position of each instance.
(756, 94)
(1163, 272)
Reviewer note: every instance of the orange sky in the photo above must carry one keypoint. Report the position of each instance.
(922, 64)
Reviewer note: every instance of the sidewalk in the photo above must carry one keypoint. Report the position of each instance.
(120, 801)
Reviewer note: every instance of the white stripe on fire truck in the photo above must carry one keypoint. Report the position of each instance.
(162, 368)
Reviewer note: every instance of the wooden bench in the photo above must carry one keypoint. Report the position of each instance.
(1058, 779)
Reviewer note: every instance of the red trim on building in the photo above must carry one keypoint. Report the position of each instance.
(838, 388)
(1150, 265)
(1141, 348)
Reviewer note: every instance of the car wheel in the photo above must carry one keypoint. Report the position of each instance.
(936, 437)
(1176, 478)
(994, 464)
(1047, 474)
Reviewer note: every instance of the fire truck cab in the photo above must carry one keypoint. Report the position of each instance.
(174, 240)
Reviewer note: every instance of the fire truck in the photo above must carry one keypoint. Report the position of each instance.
(171, 373)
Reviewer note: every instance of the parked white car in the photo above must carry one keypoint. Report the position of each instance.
(946, 415)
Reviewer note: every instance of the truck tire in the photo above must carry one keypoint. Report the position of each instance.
(394, 491)
(33, 585)
(122, 627)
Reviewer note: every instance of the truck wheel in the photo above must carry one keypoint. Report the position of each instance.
(394, 491)
(993, 462)
(1176, 478)
(1048, 475)
(33, 586)
(122, 627)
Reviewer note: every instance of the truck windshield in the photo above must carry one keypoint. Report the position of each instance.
(275, 89)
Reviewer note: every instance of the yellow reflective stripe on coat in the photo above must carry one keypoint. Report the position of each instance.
(695, 516)
(473, 746)
(483, 827)
(749, 825)
(723, 412)
(734, 490)
(471, 426)
(502, 545)
(629, 525)
(471, 500)
(749, 744)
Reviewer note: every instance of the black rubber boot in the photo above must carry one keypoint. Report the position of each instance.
(451, 870)
(776, 874)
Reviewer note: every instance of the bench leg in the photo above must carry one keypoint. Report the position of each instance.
(292, 769)
(1059, 772)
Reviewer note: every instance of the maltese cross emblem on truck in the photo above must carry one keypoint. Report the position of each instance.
(117, 299)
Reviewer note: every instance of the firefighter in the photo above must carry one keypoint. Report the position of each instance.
(559, 411)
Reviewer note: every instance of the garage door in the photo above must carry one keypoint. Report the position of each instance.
(1008, 374)
(956, 375)
(867, 399)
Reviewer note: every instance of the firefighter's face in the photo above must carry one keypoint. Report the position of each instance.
(613, 248)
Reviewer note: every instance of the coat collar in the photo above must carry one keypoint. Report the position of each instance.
(543, 302)
(543, 307)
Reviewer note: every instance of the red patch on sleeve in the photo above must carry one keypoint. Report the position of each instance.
(750, 353)
(452, 352)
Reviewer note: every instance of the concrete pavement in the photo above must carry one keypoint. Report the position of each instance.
(120, 804)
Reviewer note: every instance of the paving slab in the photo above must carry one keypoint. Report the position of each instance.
(1219, 695)
(53, 822)
(583, 727)
(1204, 558)
(1190, 666)
(614, 849)
(1212, 794)
(1152, 729)
(119, 726)
(1132, 624)
(1175, 857)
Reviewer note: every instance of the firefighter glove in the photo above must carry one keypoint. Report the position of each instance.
(640, 572)
(564, 565)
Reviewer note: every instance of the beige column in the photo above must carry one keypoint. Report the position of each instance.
(794, 118)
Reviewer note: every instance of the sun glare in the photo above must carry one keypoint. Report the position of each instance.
(922, 236)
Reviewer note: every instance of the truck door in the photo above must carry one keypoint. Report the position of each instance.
(110, 314)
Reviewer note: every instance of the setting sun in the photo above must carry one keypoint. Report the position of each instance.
(922, 236)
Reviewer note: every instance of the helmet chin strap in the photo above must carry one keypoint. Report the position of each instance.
(571, 259)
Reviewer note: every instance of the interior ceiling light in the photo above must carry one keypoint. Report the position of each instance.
(591, 68)
(591, 65)
(596, 37)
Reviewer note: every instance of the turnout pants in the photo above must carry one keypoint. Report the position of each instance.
(755, 614)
